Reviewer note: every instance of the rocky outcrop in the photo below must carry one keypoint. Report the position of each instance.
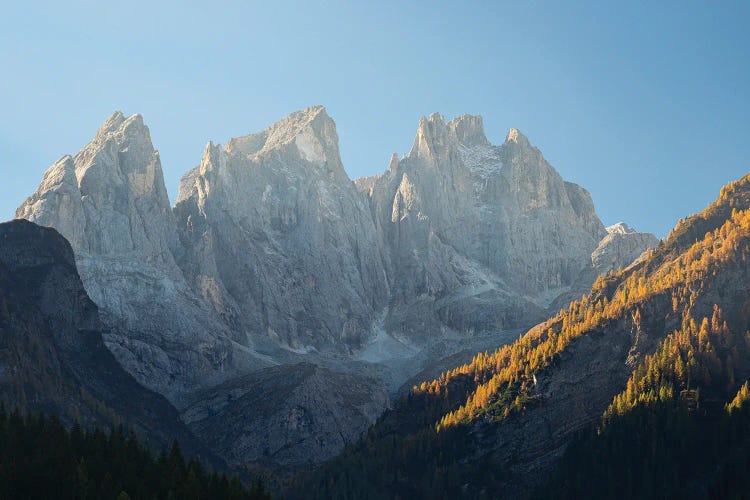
(321, 412)
(621, 247)
(480, 236)
(277, 238)
(52, 357)
(110, 202)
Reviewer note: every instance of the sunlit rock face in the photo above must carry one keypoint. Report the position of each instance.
(480, 236)
(278, 239)
(110, 202)
(621, 247)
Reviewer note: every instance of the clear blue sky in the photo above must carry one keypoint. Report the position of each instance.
(646, 106)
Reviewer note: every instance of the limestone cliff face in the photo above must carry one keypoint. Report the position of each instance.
(278, 239)
(490, 235)
(110, 202)
(621, 247)
(110, 199)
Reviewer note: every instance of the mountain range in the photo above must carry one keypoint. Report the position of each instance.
(281, 308)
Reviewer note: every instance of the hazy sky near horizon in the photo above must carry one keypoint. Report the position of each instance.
(644, 105)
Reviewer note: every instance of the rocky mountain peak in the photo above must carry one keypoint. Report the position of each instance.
(110, 202)
(111, 124)
(132, 126)
(431, 135)
(107, 197)
(468, 130)
(454, 179)
(310, 133)
(516, 137)
(620, 228)
(306, 138)
(621, 246)
(121, 154)
(435, 137)
(213, 156)
(282, 197)
(393, 164)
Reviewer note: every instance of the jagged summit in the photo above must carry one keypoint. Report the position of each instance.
(302, 139)
(436, 139)
(434, 134)
(110, 202)
(278, 204)
(118, 123)
(620, 228)
(111, 124)
(468, 130)
(393, 164)
(515, 136)
(621, 245)
(105, 198)
(311, 130)
(429, 131)
(481, 226)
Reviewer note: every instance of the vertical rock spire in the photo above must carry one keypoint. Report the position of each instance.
(110, 202)
(283, 197)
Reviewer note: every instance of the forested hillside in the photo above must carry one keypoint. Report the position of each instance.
(39, 458)
(659, 450)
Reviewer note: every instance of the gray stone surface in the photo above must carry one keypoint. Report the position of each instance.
(110, 202)
(481, 237)
(321, 412)
(622, 246)
(278, 239)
